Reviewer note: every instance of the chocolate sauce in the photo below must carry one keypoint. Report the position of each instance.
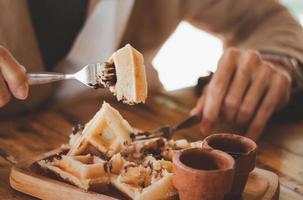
(132, 136)
(159, 173)
(77, 128)
(58, 157)
(50, 159)
(149, 164)
(158, 156)
(142, 184)
(156, 153)
(128, 166)
(96, 86)
(160, 143)
(108, 167)
(108, 77)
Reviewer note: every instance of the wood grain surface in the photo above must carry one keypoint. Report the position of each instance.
(22, 138)
(28, 178)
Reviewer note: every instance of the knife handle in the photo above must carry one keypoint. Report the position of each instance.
(202, 82)
(188, 122)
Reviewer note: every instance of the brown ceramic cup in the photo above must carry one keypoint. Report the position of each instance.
(243, 150)
(202, 174)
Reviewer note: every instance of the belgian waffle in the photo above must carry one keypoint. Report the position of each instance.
(107, 132)
(102, 153)
(151, 179)
(131, 85)
(84, 171)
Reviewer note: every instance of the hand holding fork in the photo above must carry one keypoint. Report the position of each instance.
(98, 75)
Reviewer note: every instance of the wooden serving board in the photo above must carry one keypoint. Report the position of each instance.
(27, 178)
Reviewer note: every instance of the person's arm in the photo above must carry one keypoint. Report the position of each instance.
(14, 87)
(259, 25)
(247, 87)
(19, 47)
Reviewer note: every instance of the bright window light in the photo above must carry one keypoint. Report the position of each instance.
(188, 54)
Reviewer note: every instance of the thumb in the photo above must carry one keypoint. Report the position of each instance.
(199, 107)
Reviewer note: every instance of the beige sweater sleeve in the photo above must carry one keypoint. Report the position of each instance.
(263, 25)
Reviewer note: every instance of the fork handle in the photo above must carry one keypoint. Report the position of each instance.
(44, 77)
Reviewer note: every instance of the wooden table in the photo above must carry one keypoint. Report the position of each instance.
(280, 150)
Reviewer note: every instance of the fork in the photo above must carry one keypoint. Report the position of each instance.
(98, 75)
(167, 131)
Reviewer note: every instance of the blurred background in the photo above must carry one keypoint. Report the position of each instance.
(190, 52)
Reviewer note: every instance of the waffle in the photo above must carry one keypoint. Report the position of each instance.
(107, 132)
(131, 85)
(150, 180)
(102, 153)
(87, 172)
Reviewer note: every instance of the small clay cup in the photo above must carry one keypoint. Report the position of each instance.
(202, 174)
(243, 150)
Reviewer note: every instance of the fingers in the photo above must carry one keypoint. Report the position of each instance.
(14, 74)
(199, 107)
(200, 103)
(286, 80)
(4, 93)
(254, 95)
(245, 89)
(217, 89)
(246, 65)
(275, 92)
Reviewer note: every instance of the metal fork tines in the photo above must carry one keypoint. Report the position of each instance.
(98, 75)
(167, 131)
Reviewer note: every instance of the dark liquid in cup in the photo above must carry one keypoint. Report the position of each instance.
(231, 146)
(200, 160)
(228, 145)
